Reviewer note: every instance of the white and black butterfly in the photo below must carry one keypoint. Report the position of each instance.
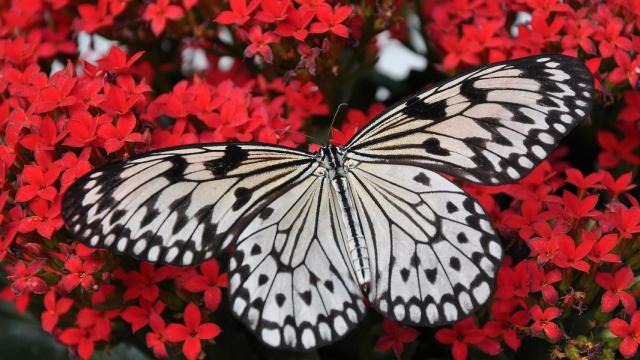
(316, 234)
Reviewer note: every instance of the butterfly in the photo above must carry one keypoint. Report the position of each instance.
(316, 235)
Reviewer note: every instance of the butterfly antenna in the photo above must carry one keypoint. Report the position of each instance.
(338, 115)
(315, 140)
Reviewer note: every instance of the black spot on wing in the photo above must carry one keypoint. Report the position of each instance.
(117, 215)
(265, 213)
(177, 170)
(422, 179)
(151, 214)
(405, 274)
(454, 262)
(243, 195)
(431, 275)
(417, 108)
(280, 299)
(329, 285)
(473, 94)
(181, 221)
(432, 146)
(415, 260)
(262, 279)
(451, 207)
(233, 156)
(306, 297)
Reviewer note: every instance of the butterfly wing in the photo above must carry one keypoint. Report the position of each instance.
(290, 278)
(433, 254)
(492, 125)
(181, 205)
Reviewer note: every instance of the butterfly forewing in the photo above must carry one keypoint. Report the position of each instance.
(178, 206)
(492, 125)
(290, 279)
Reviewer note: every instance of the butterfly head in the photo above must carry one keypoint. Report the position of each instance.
(332, 159)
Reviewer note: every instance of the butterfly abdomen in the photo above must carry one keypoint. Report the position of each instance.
(355, 242)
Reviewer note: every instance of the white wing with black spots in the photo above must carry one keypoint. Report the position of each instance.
(178, 206)
(490, 126)
(433, 253)
(290, 279)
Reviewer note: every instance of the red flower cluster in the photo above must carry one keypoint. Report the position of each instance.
(262, 23)
(573, 235)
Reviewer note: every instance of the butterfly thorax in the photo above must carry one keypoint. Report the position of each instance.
(333, 162)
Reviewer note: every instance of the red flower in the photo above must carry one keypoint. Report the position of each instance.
(626, 69)
(25, 278)
(395, 337)
(156, 339)
(239, 13)
(542, 321)
(601, 251)
(627, 221)
(631, 113)
(260, 44)
(159, 13)
(629, 332)
(617, 186)
(610, 38)
(45, 219)
(115, 136)
(579, 34)
(465, 333)
(615, 285)
(82, 338)
(296, 25)
(116, 60)
(330, 20)
(98, 321)
(143, 284)
(45, 138)
(615, 151)
(75, 166)
(94, 17)
(80, 273)
(543, 281)
(118, 101)
(514, 281)
(509, 322)
(574, 207)
(139, 316)
(192, 332)
(356, 120)
(82, 129)
(57, 93)
(210, 282)
(53, 310)
(460, 51)
(39, 182)
(93, 326)
(575, 177)
(570, 255)
(273, 10)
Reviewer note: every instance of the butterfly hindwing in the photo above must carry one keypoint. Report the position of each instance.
(177, 206)
(490, 126)
(290, 278)
(433, 253)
